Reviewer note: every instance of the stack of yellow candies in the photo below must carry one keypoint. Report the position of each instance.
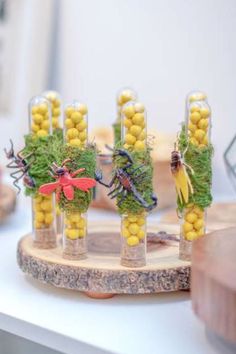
(43, 212)
(134, 132)
(199, 123)
(75, 124)
(55, 101)
(133, 229)
(195, 96)
(134, 136)
(75, 225)
(40, 116)
(124, 96)
(40, 124)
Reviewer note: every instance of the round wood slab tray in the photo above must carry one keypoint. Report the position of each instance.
(101, 274)
(7, 202)
(214, 282)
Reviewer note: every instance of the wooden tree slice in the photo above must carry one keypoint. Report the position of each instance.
(214, 282)
(7, 202)
(101, 272)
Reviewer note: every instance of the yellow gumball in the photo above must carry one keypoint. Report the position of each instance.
(195, 117)
(133, 240)
(43, 108)
(191, 235)
(141, 221)
(135, 130)
(194, 141)
(48, 218)
(72, 234)
(75, 142)
(83, 136)
(132, 218)
(83, 109)
(139, 145)
(35, 128)
(141, 234)
(199, 224)
(69, 123)
(45, 125)
(81, 126)
(187, 226)
(41, 133)
(56, 112)
(46, 205)
(203, 123)
(199, 134)
(69, 111)
(133, 228)
(191, 217)
(37, 118)
(125, 232)
(39, 216)
(130, 139)
(127, 123)
(129, 111)
(138, 119)
(76, 117)
(192, 127)
(205, 113)
(82, 233)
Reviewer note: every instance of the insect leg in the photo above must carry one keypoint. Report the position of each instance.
(120, 190)
(115, 189)
(125, 192)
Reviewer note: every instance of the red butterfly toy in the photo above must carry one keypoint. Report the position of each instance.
(65, 182)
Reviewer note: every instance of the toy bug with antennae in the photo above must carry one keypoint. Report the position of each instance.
(124, 180)
(65, 181)
(19, 162)
(183, 183)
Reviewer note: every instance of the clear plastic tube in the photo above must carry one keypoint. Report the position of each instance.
(124, 96)
(133, 226)
(75, 223)
(43, 214)
(55, 99)
(198, 125)
(56, 103)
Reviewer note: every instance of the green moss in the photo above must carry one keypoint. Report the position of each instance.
(145, 188)
(117, 131)
(200, 159)
(47, 150)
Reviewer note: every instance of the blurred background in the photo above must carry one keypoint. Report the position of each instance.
(89, 49)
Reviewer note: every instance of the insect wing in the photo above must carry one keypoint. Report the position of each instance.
(48, 188)
(84, 184)
(183, 184)
(69, 192)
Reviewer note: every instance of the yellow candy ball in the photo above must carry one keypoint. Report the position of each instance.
(192, 127)
(199, 134)
(57, 102)
(135, 130)
(191, 217)
(38, 199)
(205, 140)
(198, 211)
(75, 217)
(142, 136)
(76, 117)
(205, 113)
(195, 108)
(83, 109)
(45, 125)
(133, 241)
(48, 218)
(132, 218)
(129, 111)
(41, 133)
(75, 142)
(83, 136)
(134, 228)
(125, 232)
(39, 216)
(81, 126)
(72, 234)
(34, 110)
(187, 226)
(195, 117)
(126, 222)
(69, 124)
(127, 123)
(37, 118)
(141, 234)
(55, 123)
(139, 107)
(139, 145)
(68, 111)
(81, 224)
(56, 112)
(82, 233)
(130, 139)
(43, 108)
(72, 133)
(138, 119)
(46, 205)
(194, 141)
(141, 221)
(191, 235)
(38, 225)
(199, 224)
(203, 123)
(35, 128)
(200, 232)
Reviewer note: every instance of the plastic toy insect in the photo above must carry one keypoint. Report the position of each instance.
(183, 184)
(20, 163)
(124, 180)
(65, 181)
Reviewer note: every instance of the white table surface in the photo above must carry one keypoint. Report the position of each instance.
(72, 323)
